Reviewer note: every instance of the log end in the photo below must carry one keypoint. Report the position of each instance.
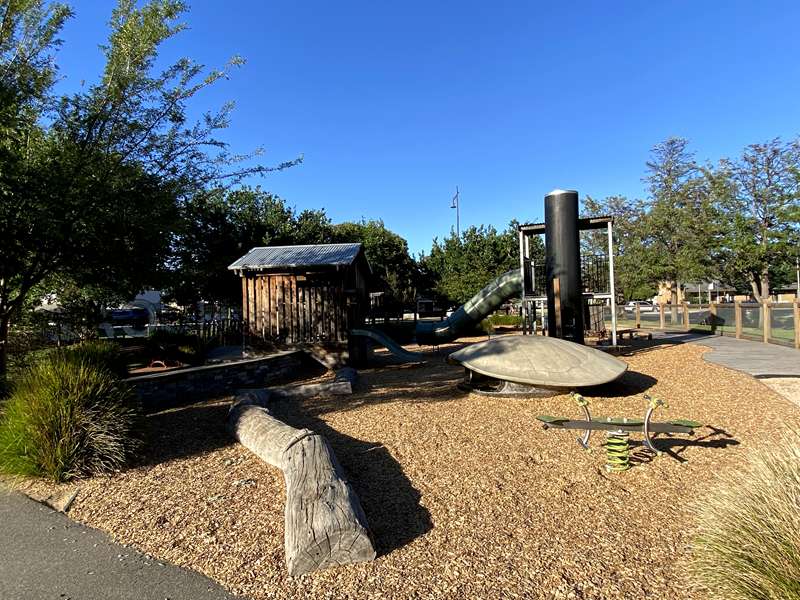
(352, 545)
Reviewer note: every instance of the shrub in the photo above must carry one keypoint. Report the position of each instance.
(505, 320)
(99, 353)
(748, 544)
(66, 418)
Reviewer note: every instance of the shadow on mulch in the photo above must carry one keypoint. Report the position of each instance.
(674, 447)
(184, 432)
(390, 501)
(630, 384)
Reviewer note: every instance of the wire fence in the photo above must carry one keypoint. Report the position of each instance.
(769, 322)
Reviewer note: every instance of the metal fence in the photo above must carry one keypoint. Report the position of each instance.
(769, 322)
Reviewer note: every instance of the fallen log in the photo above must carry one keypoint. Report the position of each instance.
(324, 522)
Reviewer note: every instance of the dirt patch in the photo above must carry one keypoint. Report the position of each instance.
(466, 496)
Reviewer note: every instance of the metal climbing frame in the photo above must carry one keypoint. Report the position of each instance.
(534, 291)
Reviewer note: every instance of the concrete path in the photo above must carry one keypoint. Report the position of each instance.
(778, 367)
(45, 555)
(755, 358)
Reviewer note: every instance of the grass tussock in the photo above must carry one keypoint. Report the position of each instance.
(748, 545)
(99, 353)
(67, 417)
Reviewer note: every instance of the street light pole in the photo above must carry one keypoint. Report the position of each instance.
(454, 204)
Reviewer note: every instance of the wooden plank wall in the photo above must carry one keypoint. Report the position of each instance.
(291, 308)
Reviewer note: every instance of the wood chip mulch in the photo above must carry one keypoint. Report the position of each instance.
(466, 496)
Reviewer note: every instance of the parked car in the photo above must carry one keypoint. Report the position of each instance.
(643, 305)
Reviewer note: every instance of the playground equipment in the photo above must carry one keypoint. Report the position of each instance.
(462, 321)
(618, 430)
(477, 308)
(533, 366)
(570, 285)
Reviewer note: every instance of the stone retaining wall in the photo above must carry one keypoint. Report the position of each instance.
(158, 391)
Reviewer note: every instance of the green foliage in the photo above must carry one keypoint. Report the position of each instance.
(219, 226)
(92, 181)
(183, 347)
(386, 252)
(748, 541)
(676, 240)
(67, 418)
(505, 320)
(457, 268)
(97, 353)
(759, 199)
(629, 223)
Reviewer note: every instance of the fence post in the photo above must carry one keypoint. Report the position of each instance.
(638, 317)
(686, 316)
(661, 315)
(737, 316)
(796, 323)
(767, 320)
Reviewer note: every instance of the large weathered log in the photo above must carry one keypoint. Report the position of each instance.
(324, 522)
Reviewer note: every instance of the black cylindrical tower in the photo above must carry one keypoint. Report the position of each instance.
(563, 266)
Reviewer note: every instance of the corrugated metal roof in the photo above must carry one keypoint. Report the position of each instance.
(312, 255)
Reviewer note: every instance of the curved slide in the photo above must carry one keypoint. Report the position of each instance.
(472, 312)
(460, 322)
(387, 342)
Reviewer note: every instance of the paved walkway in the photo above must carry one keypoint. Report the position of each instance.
(44, 555)
(755, 358)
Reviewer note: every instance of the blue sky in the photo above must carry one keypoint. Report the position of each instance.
(394, 104)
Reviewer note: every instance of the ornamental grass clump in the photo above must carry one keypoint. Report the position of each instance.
(748, 544)
(99, 353)
(66, 418)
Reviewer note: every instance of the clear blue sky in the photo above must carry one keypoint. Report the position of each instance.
(394, 104)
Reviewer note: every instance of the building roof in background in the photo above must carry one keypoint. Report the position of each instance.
(311, 255)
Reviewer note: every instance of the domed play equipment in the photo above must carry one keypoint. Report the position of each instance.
(533, 366)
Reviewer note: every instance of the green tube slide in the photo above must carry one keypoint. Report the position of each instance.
(477, 308)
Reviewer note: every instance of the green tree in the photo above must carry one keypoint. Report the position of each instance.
(90, 182)
(219, 226)
(386, 252)
(678, 237)
(758, 194)
(457, 268)
(628, 220)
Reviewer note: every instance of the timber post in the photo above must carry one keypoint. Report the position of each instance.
(767, 318)
(638, 317)
(737, 316)
(661, 315)
(796, 311)
(686, 316)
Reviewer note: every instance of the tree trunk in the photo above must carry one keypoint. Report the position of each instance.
(324, 522)
(673, 300)
(765, 284)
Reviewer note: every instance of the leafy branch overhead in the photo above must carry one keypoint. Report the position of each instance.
(92, 182)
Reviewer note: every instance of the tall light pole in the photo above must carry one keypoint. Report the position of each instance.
(454, 204)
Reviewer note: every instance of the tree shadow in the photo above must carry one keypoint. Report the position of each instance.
(183, 432)
(390, 501)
